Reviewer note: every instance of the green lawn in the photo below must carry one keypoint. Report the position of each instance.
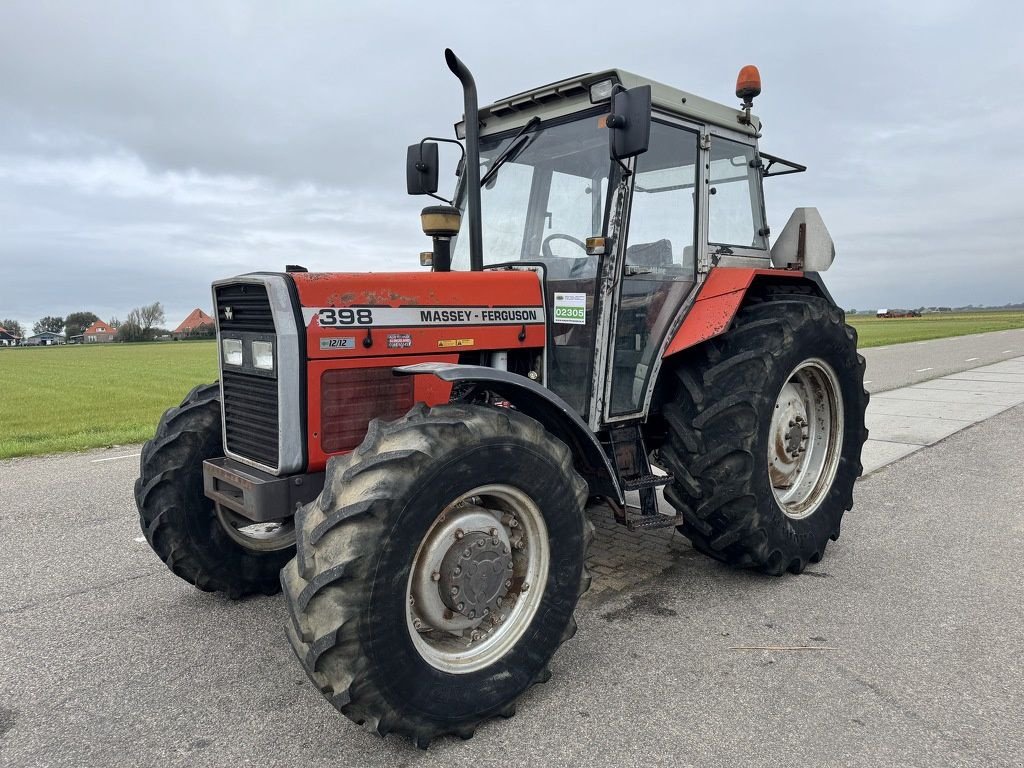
(72, 398)
(76, 397)
(875, 332)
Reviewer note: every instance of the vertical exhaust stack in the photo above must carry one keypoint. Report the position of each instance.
(472, 118)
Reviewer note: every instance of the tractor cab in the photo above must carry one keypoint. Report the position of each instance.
(622, 193)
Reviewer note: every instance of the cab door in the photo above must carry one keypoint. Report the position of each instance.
(658, 262)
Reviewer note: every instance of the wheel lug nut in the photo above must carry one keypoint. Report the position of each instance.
(435, 576)
(492, 532)
(472, 613)
(494, 542)
(454, 591)
(525, 586)
(510, 565)
(513, 523)
(508, 583)
(461, 606)
(457, 571)
(459, 533)
(498, 602)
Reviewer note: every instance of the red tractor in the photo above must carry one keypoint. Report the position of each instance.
(412, 455)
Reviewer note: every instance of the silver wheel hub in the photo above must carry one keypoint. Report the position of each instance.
(805, 438)
(477, 578)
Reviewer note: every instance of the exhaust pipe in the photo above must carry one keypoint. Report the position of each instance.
(472, 118)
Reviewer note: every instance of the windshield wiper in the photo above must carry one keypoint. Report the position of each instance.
(512, 151)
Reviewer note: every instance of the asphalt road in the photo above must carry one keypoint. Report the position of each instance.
(899, 365)
(915, 616)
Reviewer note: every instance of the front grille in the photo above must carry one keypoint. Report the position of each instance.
(251, 416)
(248, 306)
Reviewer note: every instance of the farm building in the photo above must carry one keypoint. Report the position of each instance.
(45, 339)
(198, 323)
(8, 339)
(98, 332)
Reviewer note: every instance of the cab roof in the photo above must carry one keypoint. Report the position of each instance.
(573, 94)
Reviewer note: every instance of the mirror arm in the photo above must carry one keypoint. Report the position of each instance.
(421, 167)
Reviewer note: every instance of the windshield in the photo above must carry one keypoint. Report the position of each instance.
(545, 199)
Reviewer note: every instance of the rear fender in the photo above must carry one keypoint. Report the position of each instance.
(721, 296)
(541, 404)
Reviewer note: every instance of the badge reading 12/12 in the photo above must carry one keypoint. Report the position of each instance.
(571, 308)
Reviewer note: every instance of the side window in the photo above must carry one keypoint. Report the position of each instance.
(662, 218)
(735, 216)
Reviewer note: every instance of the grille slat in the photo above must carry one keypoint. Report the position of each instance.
(250, 308)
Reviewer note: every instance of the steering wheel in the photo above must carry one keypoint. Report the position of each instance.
(545, 247)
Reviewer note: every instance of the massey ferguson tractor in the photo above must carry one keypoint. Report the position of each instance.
(411, 456)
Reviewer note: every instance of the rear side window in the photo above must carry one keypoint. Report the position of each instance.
(735, 213)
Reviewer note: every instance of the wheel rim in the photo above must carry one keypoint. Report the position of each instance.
(805, 438)
(261, 537)
(477, 578)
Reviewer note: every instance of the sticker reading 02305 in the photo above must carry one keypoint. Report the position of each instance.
(571, 308)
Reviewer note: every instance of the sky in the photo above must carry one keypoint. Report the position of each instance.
(147, 149)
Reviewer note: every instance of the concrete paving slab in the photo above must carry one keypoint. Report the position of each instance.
(917, 430)
(973, 386)
(1007, 366)
(955, 396)
(1011, 378)
(879, 453)
(894, 406)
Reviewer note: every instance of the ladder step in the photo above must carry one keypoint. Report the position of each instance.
(647, 481)
(649, 522)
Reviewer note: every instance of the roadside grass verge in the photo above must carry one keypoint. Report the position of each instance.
(879, 332)
(71, 398)
(56, 399)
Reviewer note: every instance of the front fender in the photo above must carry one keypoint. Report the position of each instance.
(541, 404)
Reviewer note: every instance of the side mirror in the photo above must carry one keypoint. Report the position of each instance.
(421, 168)
(804, 243)
(629, 124)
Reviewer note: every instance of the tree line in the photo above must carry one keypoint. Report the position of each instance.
(142, 324)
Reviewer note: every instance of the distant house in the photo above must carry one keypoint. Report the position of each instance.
(99, 332)
(8, 339)
(45, 339)
(198, 323)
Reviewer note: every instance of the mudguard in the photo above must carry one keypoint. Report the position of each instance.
(545, 406)
(720, 297)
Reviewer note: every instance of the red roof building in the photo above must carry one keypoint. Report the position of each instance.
(198, 323)
(99, 332)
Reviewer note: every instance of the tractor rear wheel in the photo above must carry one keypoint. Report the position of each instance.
(204, 545)
(439, 570)
(766, 427)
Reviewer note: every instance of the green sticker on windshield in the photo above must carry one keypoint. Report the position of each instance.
(571, 308)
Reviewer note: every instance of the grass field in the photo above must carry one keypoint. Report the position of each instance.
(71, 398)
(876, 332)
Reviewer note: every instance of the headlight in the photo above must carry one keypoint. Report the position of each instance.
(263, 355)
(232, 349)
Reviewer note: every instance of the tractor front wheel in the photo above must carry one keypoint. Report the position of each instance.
(206, 546)
(766, 427)
(439, 570)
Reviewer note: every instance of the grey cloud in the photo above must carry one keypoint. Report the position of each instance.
(147, 148)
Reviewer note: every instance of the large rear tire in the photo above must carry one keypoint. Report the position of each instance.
(766, 425)
(411, 602)
(209, 548)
